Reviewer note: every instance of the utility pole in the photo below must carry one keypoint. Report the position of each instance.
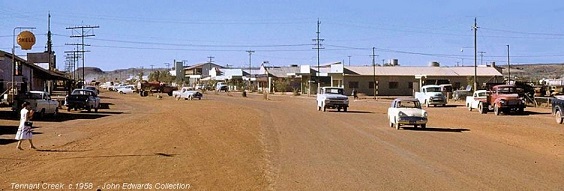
(84, 31)
(52, 65)
(76, 55)
(508, 66)
(374, 67)
(318, 47)
(383, 60)
(481, 57)
(475, 28)
(250, 65)
(349, 60)
(210, 57)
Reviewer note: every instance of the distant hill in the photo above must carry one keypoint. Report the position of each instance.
(535, 72)
(93, 73)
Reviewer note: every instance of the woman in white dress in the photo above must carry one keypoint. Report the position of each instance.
(24, 130)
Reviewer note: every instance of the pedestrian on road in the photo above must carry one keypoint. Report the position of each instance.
(24, 130)
(355, 96)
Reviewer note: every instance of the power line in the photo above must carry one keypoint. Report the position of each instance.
(83, 34)
(318, 48)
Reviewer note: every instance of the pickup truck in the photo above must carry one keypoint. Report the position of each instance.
(557, 106)
(83, 99)
(506, 98)
(478, 100)
(40, 102)
(332, 97)
(221, 86)
(187, 93)
(431, 95)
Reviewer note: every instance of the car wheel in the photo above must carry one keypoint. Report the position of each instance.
(469, 107)
(345, 109)
(415, 126)
(483, 109)
(96, 109)
(338, 109)
(391, 124)
(397, 125)
(324, 108)
(521, 110)
(496, 110)
(423, 126)
(190, 98)
(56, 112)
(68, 109)
(89, 109)
(427, 103)
(558, 117)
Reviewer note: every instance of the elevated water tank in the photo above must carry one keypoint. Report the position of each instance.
(434, 64)
(394, 62)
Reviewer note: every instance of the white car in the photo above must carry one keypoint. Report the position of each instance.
(407, 111)
(41, 103)
(126, 89)
(431, 95)
(332, 97)
(478, 100)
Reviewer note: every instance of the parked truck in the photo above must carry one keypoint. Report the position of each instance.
(333, 98)
(145, 87)
(41, 103)
(506, 98)
(431, 95)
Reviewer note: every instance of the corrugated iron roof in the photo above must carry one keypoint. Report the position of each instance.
(412, 71)
(283, 71)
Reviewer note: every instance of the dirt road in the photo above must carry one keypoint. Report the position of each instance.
(232, 143)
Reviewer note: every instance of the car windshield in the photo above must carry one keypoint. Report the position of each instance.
(510, 90)
(81, 92)
(433, 89)
(409, 104)
(35, 96)
(334, 91)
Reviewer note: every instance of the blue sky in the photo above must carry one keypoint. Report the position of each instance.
(143, 33)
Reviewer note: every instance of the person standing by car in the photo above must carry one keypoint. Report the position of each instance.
(355, 94)
(24, 130)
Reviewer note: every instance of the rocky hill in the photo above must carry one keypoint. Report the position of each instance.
(93, 73)
(535, 72)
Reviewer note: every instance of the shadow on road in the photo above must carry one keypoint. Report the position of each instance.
(437, 129)
(73, 116)
(61, 151)
(7, 141)
(105, 105)
(11, 132)
(348, 111)
(6, 130)
(439, 106)
(9, 115)
(116, 156)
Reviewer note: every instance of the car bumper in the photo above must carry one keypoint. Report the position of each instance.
(336, 104)
(412, 120)
(437, 102)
